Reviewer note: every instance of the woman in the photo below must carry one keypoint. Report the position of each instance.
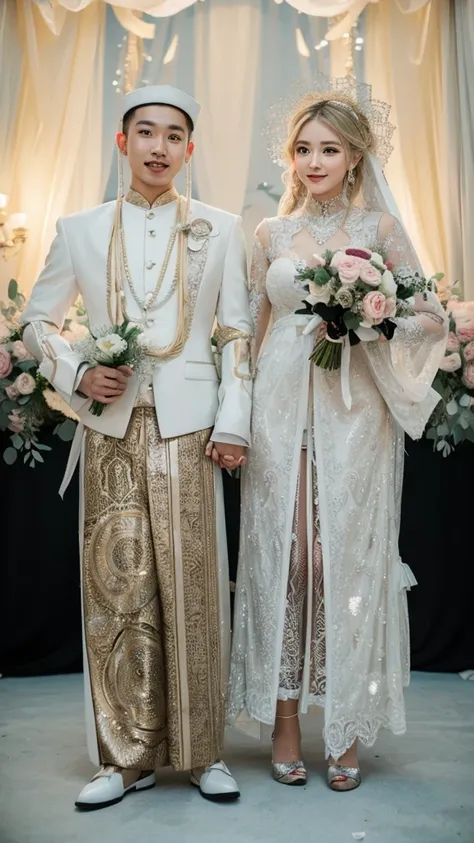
(321, 613)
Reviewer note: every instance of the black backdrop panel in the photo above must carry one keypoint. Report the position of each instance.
(40, 618)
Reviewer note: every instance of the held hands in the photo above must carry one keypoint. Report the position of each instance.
(226, 456)
(104, 384)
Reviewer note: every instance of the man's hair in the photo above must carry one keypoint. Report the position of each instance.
(128, 117)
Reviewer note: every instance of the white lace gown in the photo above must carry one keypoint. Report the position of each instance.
(329, 627)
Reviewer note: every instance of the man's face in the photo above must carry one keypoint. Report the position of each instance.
(157, 146)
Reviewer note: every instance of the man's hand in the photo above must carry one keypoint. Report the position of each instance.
(226, 456)
(104, 384)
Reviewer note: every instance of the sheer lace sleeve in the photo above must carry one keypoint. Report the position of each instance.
(260, 307)
(405, 367)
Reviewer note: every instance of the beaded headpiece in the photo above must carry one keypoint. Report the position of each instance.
(344, 91)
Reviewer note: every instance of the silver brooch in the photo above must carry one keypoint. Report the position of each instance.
(199, 229)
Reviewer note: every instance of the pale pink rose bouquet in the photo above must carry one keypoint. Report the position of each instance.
(356, 295)
(24, 406)
(452, 420)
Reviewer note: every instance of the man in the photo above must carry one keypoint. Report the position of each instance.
(154, 566)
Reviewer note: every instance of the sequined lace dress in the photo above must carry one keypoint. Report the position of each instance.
(328, 627)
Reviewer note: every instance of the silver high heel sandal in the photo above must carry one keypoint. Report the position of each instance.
(342, 778)
(289, 772)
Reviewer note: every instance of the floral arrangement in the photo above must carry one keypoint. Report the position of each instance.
(353, 293)
(121, 345)
(27, 400)
(452, 420)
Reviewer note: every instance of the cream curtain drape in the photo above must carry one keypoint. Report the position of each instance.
(56, 157)
(458, 61)
(227, 41)
(417, 168)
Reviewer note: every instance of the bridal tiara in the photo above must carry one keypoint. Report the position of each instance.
(348, 93)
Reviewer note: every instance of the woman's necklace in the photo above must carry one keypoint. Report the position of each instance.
(326, 217)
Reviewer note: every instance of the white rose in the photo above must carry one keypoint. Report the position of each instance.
(378, 259)
(388, 286)
(318, 294)
(25, 384)
(20, 351)
(111, 345)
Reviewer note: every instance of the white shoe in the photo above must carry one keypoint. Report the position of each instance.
(108, 788)
(216, 783)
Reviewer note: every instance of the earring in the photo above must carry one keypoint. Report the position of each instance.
(351, 178)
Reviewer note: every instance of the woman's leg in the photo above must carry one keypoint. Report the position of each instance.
(287, 736)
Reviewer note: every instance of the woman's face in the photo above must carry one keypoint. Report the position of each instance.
(320, 160)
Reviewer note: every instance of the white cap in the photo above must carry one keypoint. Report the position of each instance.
(161, 95)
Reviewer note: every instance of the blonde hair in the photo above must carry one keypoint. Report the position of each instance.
(343, 116)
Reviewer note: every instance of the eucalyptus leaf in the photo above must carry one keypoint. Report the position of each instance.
(8, 406)
(10, 455)
(464, 422)
(351, 320)
(28, 446)
(37, 456)
(66, 430)
(41, 447)
(452, 407)
(27, 365)
(17, 441)
(24, 399)
(465, 400)
(441, 444)
(26, 457)
(442, 429)
(431, 433)
(12, 290)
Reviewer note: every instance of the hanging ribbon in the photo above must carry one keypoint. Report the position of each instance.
(347, 341)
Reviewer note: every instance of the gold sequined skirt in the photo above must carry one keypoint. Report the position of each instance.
(151, 604)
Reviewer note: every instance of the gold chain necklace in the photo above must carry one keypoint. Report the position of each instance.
(174, 348)
(150, 299)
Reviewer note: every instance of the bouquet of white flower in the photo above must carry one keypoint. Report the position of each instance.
(112, 347)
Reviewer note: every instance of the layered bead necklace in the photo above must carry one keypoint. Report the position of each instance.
(118, 268)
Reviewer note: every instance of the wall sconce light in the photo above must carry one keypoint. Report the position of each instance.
(13, 230)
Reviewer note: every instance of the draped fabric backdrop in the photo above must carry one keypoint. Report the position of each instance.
(458, 160)
(57, 121)
(56, 160)
(227, 41)
(416, 168)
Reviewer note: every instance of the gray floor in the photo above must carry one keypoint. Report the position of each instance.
(416, 789)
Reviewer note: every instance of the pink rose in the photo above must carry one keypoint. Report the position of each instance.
(390, 308)
(20, 351)
(12, 392)
(469, 352)
(369, 275)
(17, 421)
(373, 307)
(468, 376)
(5, 363)
(25, 384)
(451, 363)
(453, 342)
(465, 326)
(347, 267)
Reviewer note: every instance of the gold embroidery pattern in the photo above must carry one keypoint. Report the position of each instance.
(135, 198)
(131, 558)
(225, 335)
